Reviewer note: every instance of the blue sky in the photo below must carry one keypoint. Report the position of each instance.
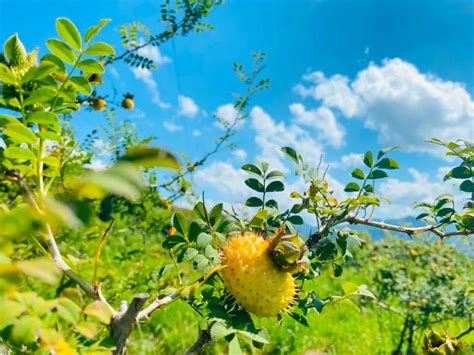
(346, 76)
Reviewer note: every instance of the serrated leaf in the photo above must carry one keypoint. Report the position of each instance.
(61, 50)
(90, 66)
(69, 33)
(6, 75)
(100, 48)
(358, 174)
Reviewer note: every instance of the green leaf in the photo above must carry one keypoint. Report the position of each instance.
(385, 151)
(219, 330)
(254, 184)
(19, 153)
(68, 310)
(215, 213)
(351, 187)
(52, 59)
(6, 75)
(291, 153)
(199, 211)
(358, 174)
(369, 188)
(39, 72)
(180, 223)
(90, 66)
(94, 30)
(51, 136)
(203, 240)
(100, 48)
(100, 311)
(467, 186)
(252, 169)
(254, 202)
(80, 84)
(87, 329)
(52, 161)
(296, 220)
(189, 254)
(151, 157)
(20, 133)
(388, 163)
(377, 174)
(61, 50)
(14, 50)
(362, 290)
(369, 159)
(40, 95)
(26, 330)
(69, 33)
(253, 337)
(460, 172)
(173, 241)
(275, 186)
(234, 346)
(43, 118)
(275, 174)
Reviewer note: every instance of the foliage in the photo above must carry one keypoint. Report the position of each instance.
(58, 293)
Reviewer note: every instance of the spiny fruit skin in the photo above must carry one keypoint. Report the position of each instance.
(98, 104)
(253, 278)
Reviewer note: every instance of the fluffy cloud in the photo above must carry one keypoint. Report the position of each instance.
(224, 178)
(240, 154)
(323, 120)
(187, 107)
(172, 127)
(146, 76)
(405, 106)
(153, 53)
(271, 136)
(420, 187)
(226, 115)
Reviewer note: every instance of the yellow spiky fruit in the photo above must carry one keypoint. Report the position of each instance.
(253, 278)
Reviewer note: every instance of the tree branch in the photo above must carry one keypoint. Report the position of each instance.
(124, 320)
(203, 338)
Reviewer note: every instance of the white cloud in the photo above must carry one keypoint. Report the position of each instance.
(240, 153)
(419, 188)
(224, 178)
(348, 161)
(226, 115)
(171, 126)
(153, 53)
(187, 107)
(197, 133)
(366, 50)
(113, 71)
(146, 76)
(323, 120)
(271, 136)
(405, 106)
(96, 164)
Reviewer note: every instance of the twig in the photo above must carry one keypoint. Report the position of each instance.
(99, 250)
(203, 339)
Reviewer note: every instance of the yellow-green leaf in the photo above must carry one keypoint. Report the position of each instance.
(20, 133)
(69, 32)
